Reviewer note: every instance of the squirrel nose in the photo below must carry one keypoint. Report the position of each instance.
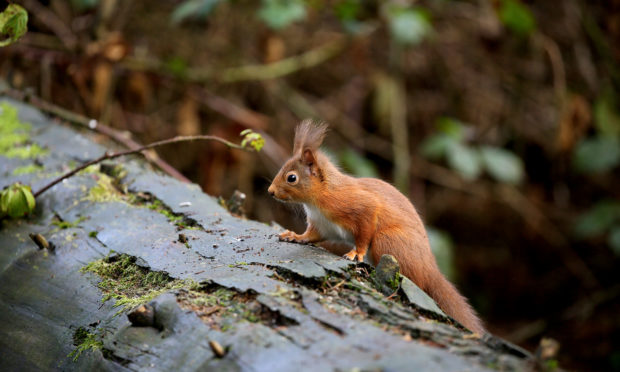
(271, 191)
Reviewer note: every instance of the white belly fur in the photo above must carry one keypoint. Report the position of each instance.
(327, 228)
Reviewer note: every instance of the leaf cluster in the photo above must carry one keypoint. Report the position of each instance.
(13, 24)
(471, 160)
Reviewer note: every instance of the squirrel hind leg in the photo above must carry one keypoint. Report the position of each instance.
(353, 255)
(356, 254)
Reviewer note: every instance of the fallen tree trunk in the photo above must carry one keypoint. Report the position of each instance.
(220, 292)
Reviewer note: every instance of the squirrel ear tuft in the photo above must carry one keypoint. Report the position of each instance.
(309, 135)
(307, 157)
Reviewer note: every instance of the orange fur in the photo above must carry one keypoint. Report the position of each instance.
(371, 213)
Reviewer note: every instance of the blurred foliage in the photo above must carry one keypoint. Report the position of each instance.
(177, 66)
(517, 17)
(601, 153)
(602, 219)
(356, 164)
(193, 10)
(13, 24)
(606, 115)
(408, 25)
(443, 249)
(278, 14)
(470, 160)
(84, 5)
(598, 154)
(501, 164)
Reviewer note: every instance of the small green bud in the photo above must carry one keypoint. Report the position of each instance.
(17, 201)
(252, 140)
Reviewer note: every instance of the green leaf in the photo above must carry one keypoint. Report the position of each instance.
(278, 14)
(614, 239)
(503, 165)
(443, 248)
(82, 5)
(13, 24)
(597, 155)
(606, 116)
(598, 220)
(347, 10)
(193, 9)
(436, 146)
(452, 128)
(177, 66)
(357, 164)
(517, 17)
(464, 160)
(409, 26)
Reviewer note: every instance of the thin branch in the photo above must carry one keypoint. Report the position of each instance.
(557, 66)
(233, 111)
(110, 155)
(268, 71)
(51, 20)
(93, 125)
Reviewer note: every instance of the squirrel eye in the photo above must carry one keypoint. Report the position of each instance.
(291, 178)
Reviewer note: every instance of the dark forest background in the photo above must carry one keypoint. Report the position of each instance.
(500, 119)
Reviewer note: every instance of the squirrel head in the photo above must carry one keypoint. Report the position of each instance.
(301, 175)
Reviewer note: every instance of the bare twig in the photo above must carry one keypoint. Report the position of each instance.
(240, 114)
(51, 20)
(557, 65)
(268, 71)
(92, 124)
(110, 155)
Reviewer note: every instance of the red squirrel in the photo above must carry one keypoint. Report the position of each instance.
(366, 212)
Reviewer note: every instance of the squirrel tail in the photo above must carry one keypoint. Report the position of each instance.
(420, 266)
(453, 303)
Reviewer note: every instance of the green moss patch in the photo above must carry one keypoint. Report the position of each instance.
(67, 224)
(179, 220)
(27, 169)
(105, 190)
(221, 308)
(110, 187)
(130, 284)
(14, 136)
(84, 341)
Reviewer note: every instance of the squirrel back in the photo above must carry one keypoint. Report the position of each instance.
(368, 213)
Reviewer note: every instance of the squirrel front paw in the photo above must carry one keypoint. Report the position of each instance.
(289, 236)
(353, 255)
